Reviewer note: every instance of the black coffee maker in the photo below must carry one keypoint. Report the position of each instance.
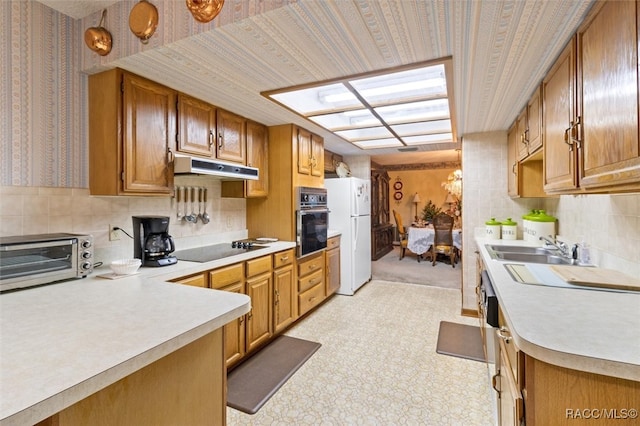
(151, 241)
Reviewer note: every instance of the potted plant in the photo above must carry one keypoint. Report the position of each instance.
(429, 211)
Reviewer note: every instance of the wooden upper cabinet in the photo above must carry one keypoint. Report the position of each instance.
(132, 128)
(558, 123)
(196, 126)
(534, 122)
(317, 156)
(258, 156)
(310, 154)
(521, 135)
(231, 142)
(512, 161)
(304, 152)
(608, 99)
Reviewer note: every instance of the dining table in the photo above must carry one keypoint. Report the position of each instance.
(420, 239)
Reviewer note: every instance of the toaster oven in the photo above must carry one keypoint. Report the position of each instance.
(31, 260)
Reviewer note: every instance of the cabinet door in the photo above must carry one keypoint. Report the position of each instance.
(231, 144)
(510, 398)
(558, 115)
(512, 161)
(304, 152)
(258, 156)
(196, 126)
(522, 132)
(234, 332)
(149, 129)
(332, 280)
(608, 54)
(317, 156)
(259, 326)
(534, 122)
(284, 298)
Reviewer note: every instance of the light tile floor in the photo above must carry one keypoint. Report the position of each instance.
(378, 365)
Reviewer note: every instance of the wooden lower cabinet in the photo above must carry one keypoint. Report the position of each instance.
(198, 280)
(285, 296)
(259, 324)
(186, 387)
(311, 277)
(281, 287)
(332, 266)
(534, 392)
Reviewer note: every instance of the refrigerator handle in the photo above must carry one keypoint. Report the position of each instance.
(355, 239)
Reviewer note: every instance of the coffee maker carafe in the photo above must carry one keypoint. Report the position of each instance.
(151, 241)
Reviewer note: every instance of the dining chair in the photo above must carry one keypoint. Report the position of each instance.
(443, 238)
(402, 232)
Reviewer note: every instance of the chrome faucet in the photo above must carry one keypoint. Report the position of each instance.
(562, 247)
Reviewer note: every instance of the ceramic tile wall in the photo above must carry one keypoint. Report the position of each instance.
(34, 210)
(610, 223)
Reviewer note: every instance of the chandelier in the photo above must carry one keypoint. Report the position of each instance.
(454, 183)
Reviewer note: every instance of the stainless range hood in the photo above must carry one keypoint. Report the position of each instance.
(215, 168)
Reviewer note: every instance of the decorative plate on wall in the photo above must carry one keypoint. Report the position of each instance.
(397, 196)
(397, 185)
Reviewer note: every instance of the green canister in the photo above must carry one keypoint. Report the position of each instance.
(541, 224)
(509, 230)
(492, 229)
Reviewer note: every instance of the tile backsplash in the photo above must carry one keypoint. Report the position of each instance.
(37, 210)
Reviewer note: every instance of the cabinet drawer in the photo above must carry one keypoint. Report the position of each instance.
(199, 280)
(310, 280)
(222, 277)
(333, 242)
(258, 266)
(308, 266)
(310, 298)
(283, 258)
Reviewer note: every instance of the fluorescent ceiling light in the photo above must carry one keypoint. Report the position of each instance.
(399, 107)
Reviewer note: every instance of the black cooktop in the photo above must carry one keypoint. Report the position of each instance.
(217, 251)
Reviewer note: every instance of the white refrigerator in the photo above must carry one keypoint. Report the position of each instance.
(349, 203)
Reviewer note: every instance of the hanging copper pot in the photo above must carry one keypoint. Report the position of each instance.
(204, 10)
(98, 38)
(143, 20)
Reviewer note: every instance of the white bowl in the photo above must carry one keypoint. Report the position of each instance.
(125, 266)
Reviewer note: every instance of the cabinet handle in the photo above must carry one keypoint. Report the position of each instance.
(569, 137)
(220, 141)
(311, 299)
(513, 168)
(494, 382)
(500, 332)
(210, 137)
(313, 281)
(566, 137)
(284, 258)
(250, 315)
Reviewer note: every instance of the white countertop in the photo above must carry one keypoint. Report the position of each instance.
(588, 330)
(63, 342)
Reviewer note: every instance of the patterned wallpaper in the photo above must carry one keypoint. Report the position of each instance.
(41, 104)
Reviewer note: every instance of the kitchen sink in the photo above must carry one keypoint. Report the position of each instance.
(534, 258)
(528, 254)
(518, 249)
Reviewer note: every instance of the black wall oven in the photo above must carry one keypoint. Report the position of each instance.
(312, 220)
